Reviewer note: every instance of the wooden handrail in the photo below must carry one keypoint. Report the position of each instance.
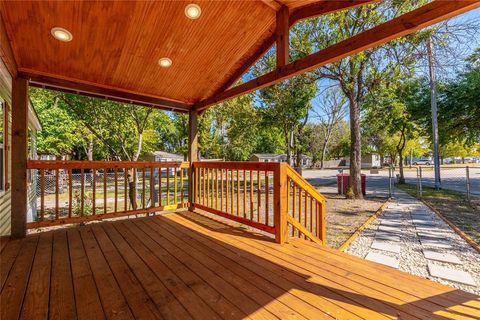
(76, 191)
(253, 181)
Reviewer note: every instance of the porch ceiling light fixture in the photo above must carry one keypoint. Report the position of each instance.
(61, 34)
(165, 62)
(193, 11)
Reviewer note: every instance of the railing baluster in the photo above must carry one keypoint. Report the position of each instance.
(82, 192)
(175, 188)
(305, 213)
(57, 187)
(168, 186)
(182, 185)
(238, 192)
(299, 208)
(70, 185)
(135, 189)
(311, 214)
(266, 198)
(208, 188)
(42, 194)
(288, 198)
(152, 187)
(294, 202)
(259, 195)
(143, 188)
(105, 191)
(216, 188)
(221, 189)
(227, 183)
(232, 194)
(93, 190)
(125, 188)
(115, 177)
(160, 187)
(251, 195)
(244, 194)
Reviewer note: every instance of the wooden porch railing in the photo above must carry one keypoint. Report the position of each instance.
(78, 191)
(268, 196)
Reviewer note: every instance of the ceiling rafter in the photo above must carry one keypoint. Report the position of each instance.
(417, 19)
(315, 9)
(103, 92)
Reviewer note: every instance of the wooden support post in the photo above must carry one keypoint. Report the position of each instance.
(192, 154)
(282, 38)
(19, 157)
(280, 203)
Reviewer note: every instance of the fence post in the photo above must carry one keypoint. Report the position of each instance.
(420, 182)
(468, 182)
(389, 182)
(280, 203)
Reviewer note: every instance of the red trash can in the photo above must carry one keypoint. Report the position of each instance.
(346, 178)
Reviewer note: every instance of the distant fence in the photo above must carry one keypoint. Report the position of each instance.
(464, 179)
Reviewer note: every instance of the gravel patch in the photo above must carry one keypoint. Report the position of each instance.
(410, 217)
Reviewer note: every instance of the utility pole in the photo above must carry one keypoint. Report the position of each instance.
(433, 93)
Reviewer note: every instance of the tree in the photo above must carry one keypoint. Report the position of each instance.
(358, 74)
(330, 109)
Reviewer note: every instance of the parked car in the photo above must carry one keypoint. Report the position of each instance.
(422, 161)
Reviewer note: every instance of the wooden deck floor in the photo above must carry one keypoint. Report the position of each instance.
(187, 266)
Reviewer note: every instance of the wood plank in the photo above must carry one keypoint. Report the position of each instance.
(189, 300)
(37, 295)
(3, 242)
(62, 297)
(19, 157)
(213, 277)
(12, 294)
(299, 265)
(243, 285)
(113, 301)
(140, 303)
(8, 254)
(229, 262)
(217, 301)
(86, 296)
(320, 297)
(84, 164)
(169, 307)
(417, 19)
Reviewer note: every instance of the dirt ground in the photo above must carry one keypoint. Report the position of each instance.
(344, 216)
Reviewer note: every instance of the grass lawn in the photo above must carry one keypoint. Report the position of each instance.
(454, 206)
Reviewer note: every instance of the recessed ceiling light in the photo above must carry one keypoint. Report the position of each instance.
(61, 34)
(193, 11)
(165, 62)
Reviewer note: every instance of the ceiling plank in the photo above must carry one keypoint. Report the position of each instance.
(422, 17)
(6, 53)
(282, 36)
(94, 90)
(316, 9)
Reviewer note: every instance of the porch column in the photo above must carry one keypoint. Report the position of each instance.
(192, 153)
(19, 157)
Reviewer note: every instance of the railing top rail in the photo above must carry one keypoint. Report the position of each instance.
(75, 164)
(298, 179)
(237, 165)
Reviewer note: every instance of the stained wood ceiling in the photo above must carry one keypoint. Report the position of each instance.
(117, 44)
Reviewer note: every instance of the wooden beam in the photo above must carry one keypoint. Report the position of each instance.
(272, 4)
(19, 157)
(405, 24)
(315, 9)
(282, 36)
(99, 91)
(325, 7)
(6, 52)
(192, 153)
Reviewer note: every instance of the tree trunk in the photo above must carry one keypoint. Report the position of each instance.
(401, 179)
(90, 149)
(355, 150)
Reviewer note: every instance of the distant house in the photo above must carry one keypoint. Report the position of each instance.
(162, 156)
(305, 161)
(371, 160)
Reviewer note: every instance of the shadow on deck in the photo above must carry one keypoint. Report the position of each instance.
(187, 266)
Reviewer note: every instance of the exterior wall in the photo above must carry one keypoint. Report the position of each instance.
(5, 196)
